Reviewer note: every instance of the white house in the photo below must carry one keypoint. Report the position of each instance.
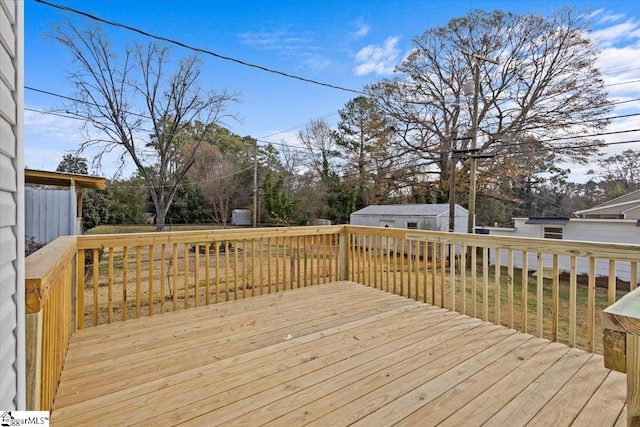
(616, 221)
(12, 307)
(434, 217)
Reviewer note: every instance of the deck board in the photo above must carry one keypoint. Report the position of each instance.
(334, 354)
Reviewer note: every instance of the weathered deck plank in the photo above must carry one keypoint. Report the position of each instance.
(334, 354)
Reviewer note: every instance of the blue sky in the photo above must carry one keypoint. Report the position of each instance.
(344, 43)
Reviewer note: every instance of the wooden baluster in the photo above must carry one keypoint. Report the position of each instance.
(163, 272)
(138, 280)
(485, 284)
(196, 274)
(110, 288)
(573, 283)
(151, 272)
(96, 277)
(591, 306)
(207, 272)
(175, 276)
(540, 294)
(186, 275)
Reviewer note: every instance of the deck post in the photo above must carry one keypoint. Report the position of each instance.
(33, 350)
(343, 267)
(633, 380)
(624, 317)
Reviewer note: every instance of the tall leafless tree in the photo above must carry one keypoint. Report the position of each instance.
(140, 103)
(545, 86)
(317, 139)
(217, 177)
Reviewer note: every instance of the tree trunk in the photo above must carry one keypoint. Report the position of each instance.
(160, 219)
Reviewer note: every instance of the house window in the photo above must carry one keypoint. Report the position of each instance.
(412, 225)
(553, 233)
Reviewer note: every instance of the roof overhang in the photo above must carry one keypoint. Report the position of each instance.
(63, 179)
(547, 221)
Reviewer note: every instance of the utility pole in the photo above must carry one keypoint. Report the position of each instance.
(255, 187)
(474, 137)
(471, 218)
(452, 183)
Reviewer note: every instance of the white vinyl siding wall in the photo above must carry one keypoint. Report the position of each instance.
(576, 229)
(12, 356)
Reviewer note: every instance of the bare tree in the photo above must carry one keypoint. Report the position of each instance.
(619, 172)
(141, 103)
(545, 86)
(320, 144)
(216, 176)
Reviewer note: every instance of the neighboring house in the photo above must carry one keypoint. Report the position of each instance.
(434, 217)
(53, 203)
(611, 222)
(12, 296)
(624, 207)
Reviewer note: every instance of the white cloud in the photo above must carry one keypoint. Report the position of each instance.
(609, 17)
(315, 62)
(362, 30)
(378, 59)
(610, 36)
(274, 40)
(49, 137)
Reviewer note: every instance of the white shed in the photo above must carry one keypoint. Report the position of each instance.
(434, 217)
(53, 203)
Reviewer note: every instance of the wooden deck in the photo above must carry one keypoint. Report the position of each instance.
(329, 355)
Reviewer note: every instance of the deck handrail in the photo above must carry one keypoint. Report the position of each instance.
(110, 278)
(623, 318)
(50, 279)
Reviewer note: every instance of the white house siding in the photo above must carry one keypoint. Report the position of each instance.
(50, 212)
(591, 230)
(12, 355)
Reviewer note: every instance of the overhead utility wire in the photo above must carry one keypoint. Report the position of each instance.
(80, 101)
(197, 49)
(623, 83)
(621, 116)
(296, 148)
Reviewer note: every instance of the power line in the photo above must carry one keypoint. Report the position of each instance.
(296, 127)
(197, 49)
(328, 115)
(626, 101)
(46, 92)
(621, 70)
(513, 144)
(624, 83)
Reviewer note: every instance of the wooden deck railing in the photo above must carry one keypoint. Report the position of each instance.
(519, 283)
(134, 275)
(622, 319)
(50, 317)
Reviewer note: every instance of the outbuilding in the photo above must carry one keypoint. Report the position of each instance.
(53, 203)
(434, 217)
